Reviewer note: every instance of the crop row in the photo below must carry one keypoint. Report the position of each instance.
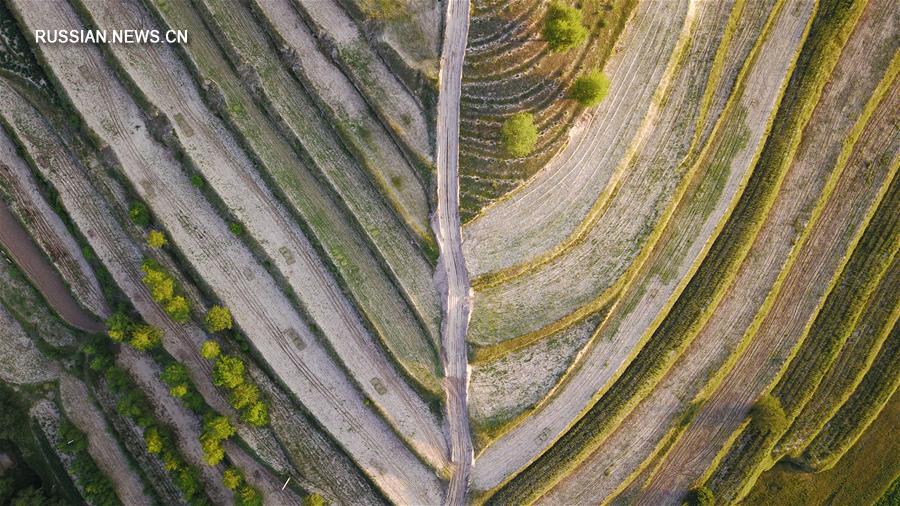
(737, 472)
(166, 84)
(74, 86)
(792, 303)
(247, 44)
(511, 77)
(543, 212)
(852, 419)
(710, 194)
(365, 280)
(396, 107)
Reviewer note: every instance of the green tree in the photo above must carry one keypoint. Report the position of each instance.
(701, 496)
(213, 452)
(145, 337)
(161, 285)
(210, 349)
(139, 214)
(228, 371)
(117, 326)
(257, 414)
(519, 135)
(178, 309)
(179, 391)
(248, 496)
(244, 395)
(232, 478)
(590, 89)
(563, 28)
(156, 239)
(154, 440)
(218, 427)
(768, 415)
(218, 319)
(174, 374)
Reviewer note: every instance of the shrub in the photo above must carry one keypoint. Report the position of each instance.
(139, 214)
(314, 500)
(563, 28)
(162, 287)
(156, 239)
(228, 371)
(174, 374)
(236, 228)
(178, 309)
(248, 496)
(257, 414)
(197, 180)
(519, 135)
(768, 415)
(700, 496)
(145, 337)
(218, 427)
(188, 482)
(117, 326)
(210, 349)
(231, 478)
(154, 440)
(179, 391)
(213, 452)
(244, 395)
(218, 319)
(590, 89)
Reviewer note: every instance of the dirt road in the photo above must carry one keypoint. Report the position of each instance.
(451, 271)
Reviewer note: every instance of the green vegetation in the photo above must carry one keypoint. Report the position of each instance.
(563, 28)
(96, 487)
(156, 239)
(767, 415)
(590, 89)
(228, 372)
(215, 430)
(700, 496)
(164, 291)
(139, 214)
(218, 319)
(210, 349)
(519, 135)
(145, 337)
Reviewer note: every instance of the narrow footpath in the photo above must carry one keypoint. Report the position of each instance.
(451, 274)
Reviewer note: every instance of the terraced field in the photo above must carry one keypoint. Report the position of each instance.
(422, 252)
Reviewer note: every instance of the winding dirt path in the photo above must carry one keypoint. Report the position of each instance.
(452, 277)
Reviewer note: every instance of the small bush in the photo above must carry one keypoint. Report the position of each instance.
(248, 496)
(178, 309)
(210, 349)
(519, 135)
(590, 89)
(768, 415)
(563, 28)
(197, 180)
(154, 440)
(244, 395)
(232, 478)
(145, 337)
(162, 287)
(218, 319)
(700, 496)
(314, 500)
(118, 326)
(174, 374)
(257, 415)
(156, 239)
(139, 214)
(219, 427)
(228, 372)
(179, 391)
(236, 228)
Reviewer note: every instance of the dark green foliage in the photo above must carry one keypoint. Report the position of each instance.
(563, 28)
(96, 486)
(768, 416)
(700, 496)
(139, 214)
(590, 89)
(236, 228)
(197, 180)
(519, 135)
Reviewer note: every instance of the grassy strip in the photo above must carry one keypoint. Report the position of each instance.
(848, 370)
(744, 462)
(860, 477)
(96, 487)
(652, 361)
(860, 410)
